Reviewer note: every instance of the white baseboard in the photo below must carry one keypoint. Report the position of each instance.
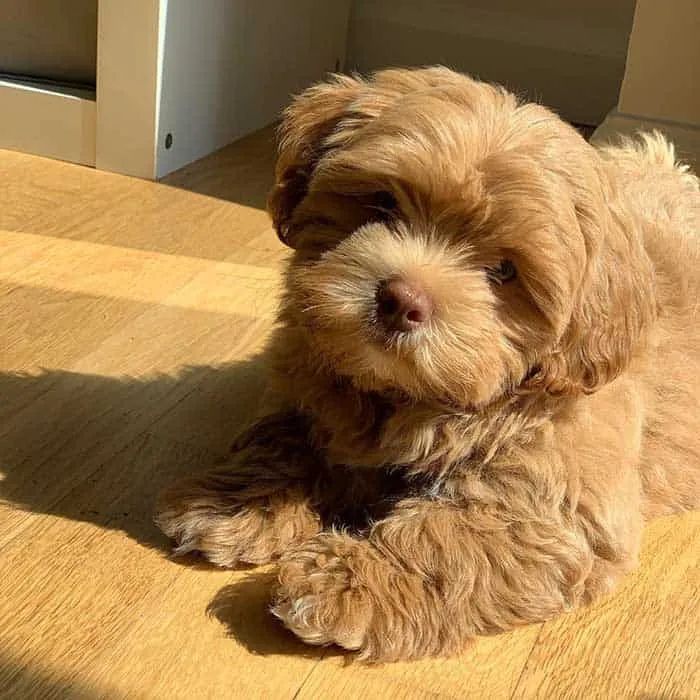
(686, 137)
(47, 120)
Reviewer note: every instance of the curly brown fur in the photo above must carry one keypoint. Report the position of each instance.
(493, 466)
(251, 509)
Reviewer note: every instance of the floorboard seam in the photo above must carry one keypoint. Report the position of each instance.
(308, 675)
(527, 660)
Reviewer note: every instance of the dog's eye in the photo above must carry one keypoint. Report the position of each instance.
(384, 201)
(502, 273)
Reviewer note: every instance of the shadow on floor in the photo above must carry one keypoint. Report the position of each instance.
(99, 449)
(20, 681)
(241, 172)
(243, 609)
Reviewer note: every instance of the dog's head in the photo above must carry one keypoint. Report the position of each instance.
(453, 243)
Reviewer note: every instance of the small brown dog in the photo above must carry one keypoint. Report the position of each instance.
(486, 370)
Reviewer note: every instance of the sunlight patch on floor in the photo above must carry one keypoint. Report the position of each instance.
(137, 275)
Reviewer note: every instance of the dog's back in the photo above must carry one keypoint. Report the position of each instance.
(667, 197)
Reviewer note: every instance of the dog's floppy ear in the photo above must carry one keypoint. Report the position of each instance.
(616, 303)
(306, 124)
(325, 116)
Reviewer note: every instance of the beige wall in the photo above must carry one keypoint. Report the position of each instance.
(569, 54)
(49, 39)
(660, 87)
(662, 80)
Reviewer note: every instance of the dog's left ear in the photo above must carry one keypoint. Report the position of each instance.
(616, 303)
(306, 125)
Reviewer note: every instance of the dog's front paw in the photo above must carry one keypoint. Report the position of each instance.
(224, 539)
(228, 532)
(319, 596)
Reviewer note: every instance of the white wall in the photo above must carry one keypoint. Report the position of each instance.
(229, 67)
(568, 54)
(55, 124)
(128, 78)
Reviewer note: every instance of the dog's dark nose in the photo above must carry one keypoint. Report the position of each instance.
(402, 305)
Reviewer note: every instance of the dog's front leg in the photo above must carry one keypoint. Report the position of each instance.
(252, 508)
(433, 575)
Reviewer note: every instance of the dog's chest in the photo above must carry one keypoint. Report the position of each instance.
(354, 497)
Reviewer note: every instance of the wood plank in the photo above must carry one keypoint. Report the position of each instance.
(53, 199)
(106, 607)
(489, 668)
(643, 641)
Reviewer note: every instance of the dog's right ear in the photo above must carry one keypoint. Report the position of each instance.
(306, 124)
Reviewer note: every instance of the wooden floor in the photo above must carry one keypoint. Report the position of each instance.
(130, 318)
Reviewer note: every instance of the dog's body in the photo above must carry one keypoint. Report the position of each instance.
(485, 371)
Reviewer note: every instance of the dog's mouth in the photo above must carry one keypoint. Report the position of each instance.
(403, 365)
(396, 342)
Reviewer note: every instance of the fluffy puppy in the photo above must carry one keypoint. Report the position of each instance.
(485, 373)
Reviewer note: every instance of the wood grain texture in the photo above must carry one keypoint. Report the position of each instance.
(131, 316)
